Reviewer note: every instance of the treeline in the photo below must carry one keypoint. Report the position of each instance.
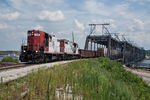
(9, 52)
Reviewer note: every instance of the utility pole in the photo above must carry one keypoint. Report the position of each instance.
(72, 36)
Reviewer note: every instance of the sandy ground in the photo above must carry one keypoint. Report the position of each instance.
(145, 75)
(13, 74)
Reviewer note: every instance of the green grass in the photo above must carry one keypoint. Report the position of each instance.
(9, 59)
(92, 79)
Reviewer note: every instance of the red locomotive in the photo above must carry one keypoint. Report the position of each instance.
(43, 47)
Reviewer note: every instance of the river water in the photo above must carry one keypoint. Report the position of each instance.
(144, 63)
(1, 58)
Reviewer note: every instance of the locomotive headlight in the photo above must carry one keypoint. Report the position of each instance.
(24, 51)
(36, 51)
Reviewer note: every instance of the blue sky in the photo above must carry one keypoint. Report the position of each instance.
(61, 17)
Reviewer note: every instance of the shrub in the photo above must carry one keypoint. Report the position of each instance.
(10, 59)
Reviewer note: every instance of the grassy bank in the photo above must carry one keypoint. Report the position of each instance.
(93, 79)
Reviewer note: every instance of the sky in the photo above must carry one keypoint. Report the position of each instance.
(62, 17)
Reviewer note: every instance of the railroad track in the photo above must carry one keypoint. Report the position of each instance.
(14, 66)
(23, 65)
(18, 66)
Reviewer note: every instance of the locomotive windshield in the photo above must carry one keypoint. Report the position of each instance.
(36, 34)
(33, 34)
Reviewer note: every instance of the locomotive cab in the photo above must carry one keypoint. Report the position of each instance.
(37, 43)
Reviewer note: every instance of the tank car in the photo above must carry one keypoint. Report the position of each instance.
(44, 47)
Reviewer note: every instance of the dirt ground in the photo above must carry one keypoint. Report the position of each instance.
(145, 75)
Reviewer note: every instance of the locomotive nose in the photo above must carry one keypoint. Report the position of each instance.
(31, 44)
(34, 42)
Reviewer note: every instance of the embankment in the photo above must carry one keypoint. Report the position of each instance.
(91, 79)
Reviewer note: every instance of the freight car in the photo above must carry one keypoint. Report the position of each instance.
(43, 47)
(90, 54)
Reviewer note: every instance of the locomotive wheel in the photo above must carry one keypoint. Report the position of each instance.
(45, 59)
(37, 61)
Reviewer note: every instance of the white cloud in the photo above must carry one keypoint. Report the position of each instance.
(141, 38)
(51, 15)
(33, 4)
(121, 10)
(141, 2)
(136, 25)
(140, 23)
(101, 9)
(79, 25)
(10, 16)
(131, 27)
(38, 27)
(3, 26)
(93, 6)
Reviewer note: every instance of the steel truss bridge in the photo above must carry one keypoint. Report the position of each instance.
(113, 48)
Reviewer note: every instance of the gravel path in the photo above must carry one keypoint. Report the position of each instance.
(145, 75)
(13, 74)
